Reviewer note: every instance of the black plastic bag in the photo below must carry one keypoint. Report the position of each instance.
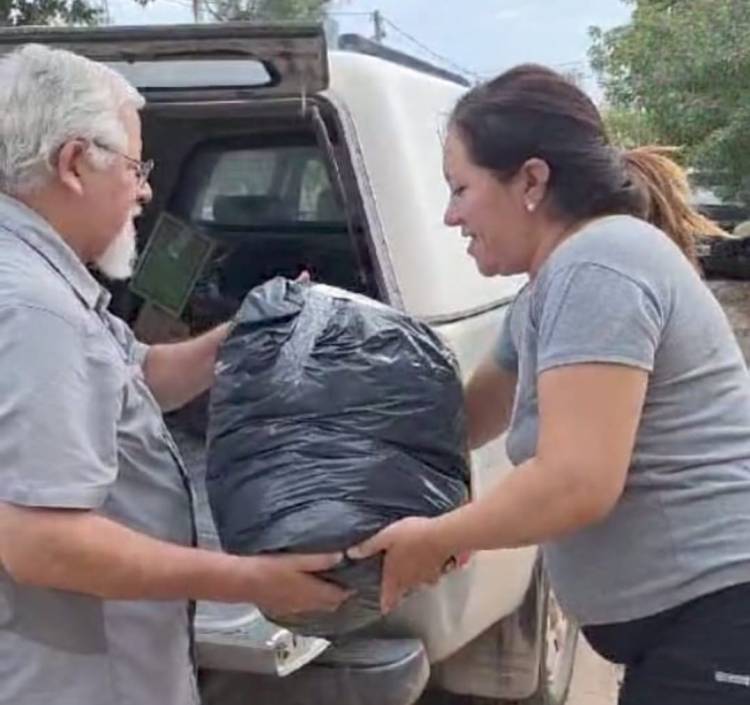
(331, 417)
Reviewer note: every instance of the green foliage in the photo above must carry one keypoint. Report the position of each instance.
(23, 12)
(681, 70)
(630, 127)
(230, 10)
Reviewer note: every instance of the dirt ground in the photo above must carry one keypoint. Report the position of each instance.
(594, 680)
(734, 296)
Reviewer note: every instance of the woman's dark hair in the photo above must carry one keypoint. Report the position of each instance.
(531, 111)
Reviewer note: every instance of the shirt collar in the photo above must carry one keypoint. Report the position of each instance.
(38, 234)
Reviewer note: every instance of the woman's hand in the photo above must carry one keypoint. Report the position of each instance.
(415, 556)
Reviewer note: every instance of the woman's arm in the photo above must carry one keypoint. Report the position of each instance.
(489, 402)
(589, 414)
(588, 417)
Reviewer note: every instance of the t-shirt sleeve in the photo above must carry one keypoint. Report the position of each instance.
(592, 313)
(61, 396)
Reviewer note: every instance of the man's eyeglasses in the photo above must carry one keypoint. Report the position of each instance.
(142, 169)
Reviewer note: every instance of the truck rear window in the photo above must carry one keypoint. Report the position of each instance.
(244, 211)
(278, 185)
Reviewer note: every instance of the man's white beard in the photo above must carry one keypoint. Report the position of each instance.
(118, 260)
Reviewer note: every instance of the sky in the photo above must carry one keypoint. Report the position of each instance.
(476, 37)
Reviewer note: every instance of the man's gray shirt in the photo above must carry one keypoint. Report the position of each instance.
(619, 291)
(80, 429)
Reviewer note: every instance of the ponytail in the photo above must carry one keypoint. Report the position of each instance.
(666, 197)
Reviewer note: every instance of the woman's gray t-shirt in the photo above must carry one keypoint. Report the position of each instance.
(620, 291)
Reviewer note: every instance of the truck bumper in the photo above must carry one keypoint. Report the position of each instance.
(359, 672)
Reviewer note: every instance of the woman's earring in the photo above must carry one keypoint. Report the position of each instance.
(530, 206)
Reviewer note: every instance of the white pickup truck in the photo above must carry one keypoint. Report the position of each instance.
(273, 155)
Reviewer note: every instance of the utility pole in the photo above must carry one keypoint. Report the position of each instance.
(377, 20)
(197, 11)
(106, 15)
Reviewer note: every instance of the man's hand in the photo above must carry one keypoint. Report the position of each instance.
(80, 551)
(176, 373)
(284, 584)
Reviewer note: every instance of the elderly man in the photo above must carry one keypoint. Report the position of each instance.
(97, 560)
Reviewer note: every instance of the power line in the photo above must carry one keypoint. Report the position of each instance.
(435, 55)
(569, 64)
(344, 13)
(380, 21)
(265, 16)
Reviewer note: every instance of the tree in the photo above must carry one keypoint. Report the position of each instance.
(681, 72)
(629, 127)
(229, 10)
(28, 12)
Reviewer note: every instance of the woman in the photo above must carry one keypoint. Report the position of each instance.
(625, 396)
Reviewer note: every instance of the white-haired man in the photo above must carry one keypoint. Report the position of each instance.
(97, 557)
